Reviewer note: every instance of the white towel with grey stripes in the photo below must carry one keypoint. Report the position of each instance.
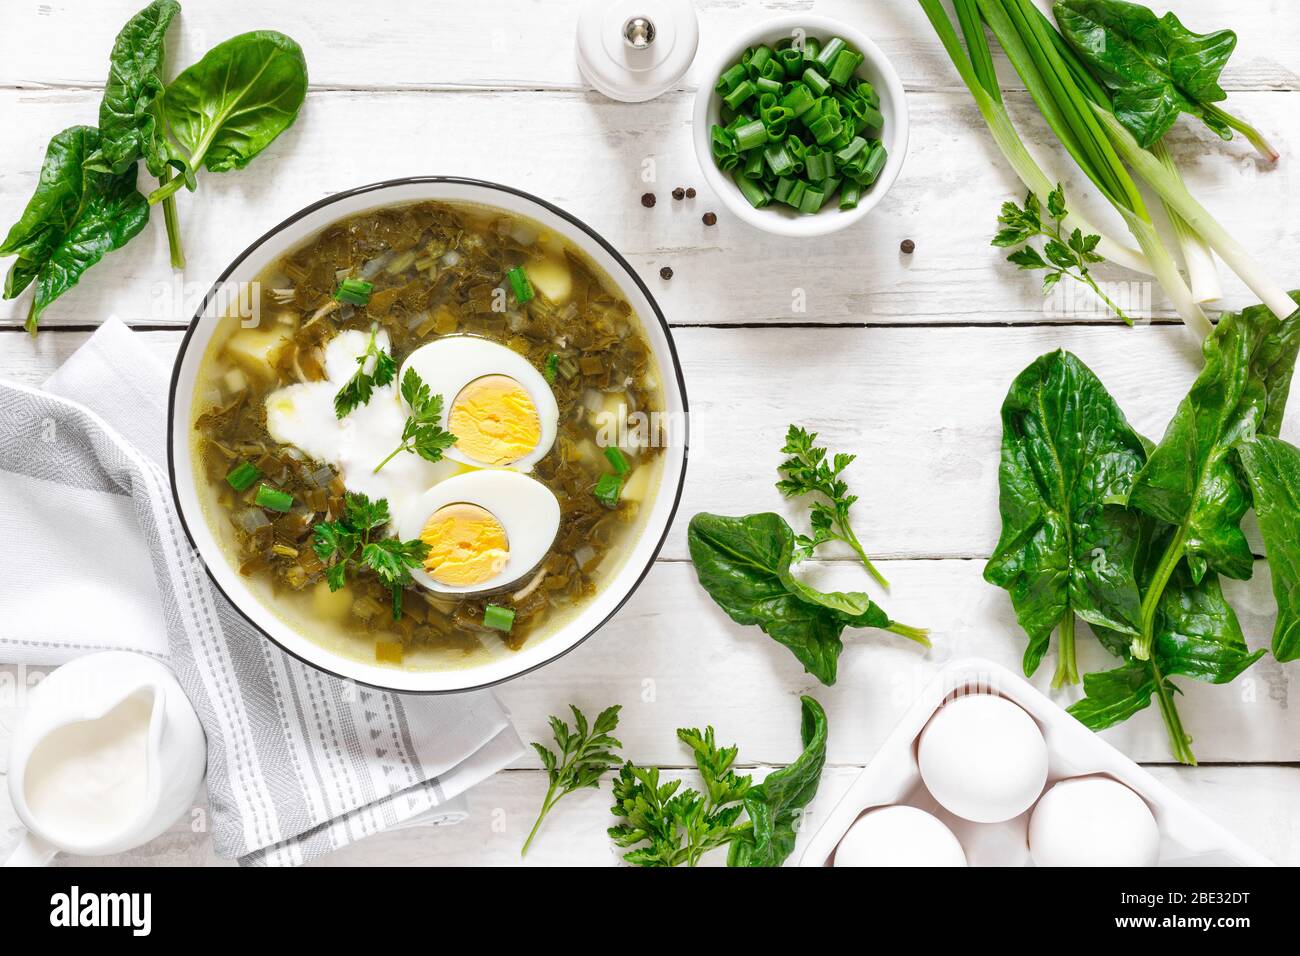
(299, 762)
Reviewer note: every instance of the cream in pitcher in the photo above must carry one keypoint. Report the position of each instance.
(108, 754)
(86, 781)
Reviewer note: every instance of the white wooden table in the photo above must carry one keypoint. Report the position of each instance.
(903, 360)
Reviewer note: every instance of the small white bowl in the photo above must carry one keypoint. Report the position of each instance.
(876, 69)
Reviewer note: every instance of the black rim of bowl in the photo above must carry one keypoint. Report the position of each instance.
(377, 187)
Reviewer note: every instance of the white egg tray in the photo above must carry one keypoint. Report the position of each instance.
(1187, 836)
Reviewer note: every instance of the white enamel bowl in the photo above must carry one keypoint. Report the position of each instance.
(291, 233)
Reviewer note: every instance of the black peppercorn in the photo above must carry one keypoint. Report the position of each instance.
(709, 219)
(648, 200)
(907, 246)
(666, 273)
(679, 193)
(690, 192)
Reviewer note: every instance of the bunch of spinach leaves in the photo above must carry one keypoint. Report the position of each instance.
(1132, 537)
(665, 825)
(218, 113)
(1154, 67)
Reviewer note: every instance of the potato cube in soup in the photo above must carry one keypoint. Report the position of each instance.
(332, 605)
(551, 277)
(254, 350)
(637, 485)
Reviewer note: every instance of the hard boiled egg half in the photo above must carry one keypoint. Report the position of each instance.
(495, 402)
(486, 530)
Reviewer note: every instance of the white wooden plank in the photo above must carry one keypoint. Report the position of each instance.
(920, 407)
(586, 154)
(525, 44)
(673, 659)
(1254, 803)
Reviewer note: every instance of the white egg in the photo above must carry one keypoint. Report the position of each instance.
(451, 363)
(525, 509)
(303, 416)
(899, 836)
(1093, 821)
(983, 758)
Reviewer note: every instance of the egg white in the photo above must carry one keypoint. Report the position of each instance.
(528, 511)
(448, 364)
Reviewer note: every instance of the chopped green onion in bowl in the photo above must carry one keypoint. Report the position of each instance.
(519, 285)
(242, 476)
(617, 460)
(499, 618)
(273, 499)
(354, 291)
(609, 488)
(798, 126)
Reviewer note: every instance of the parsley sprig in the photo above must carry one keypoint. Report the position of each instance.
(669, 826)
(807, 472)
(375, 369)
(585, 754)
(1062, 255)
(422, 434)
(355, 541)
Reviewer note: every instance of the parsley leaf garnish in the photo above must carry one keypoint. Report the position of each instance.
(354, 541)
(807, 471)
(422, 434)
(585, 755)
(668, 826)
(358, 389)
(1062, 255)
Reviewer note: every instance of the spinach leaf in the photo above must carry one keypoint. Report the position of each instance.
(129, 125)
(744, 564)
(1272, 468)
(774, 806)
(1197, 635)
(229, 106)
(1067, 450)
(1154, 67)
(74, 218)
(1190, 480)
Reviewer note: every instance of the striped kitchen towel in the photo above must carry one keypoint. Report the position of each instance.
(299, 762)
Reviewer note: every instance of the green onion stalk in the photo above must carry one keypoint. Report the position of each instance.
(981, 81)
(1171, 190)
(1198, 257)
(1199, 229)
(1057, 83)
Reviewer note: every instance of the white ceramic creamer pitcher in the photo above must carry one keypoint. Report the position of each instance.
(107, 755)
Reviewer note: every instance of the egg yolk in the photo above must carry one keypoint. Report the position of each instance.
(467, 545)
(494, 420)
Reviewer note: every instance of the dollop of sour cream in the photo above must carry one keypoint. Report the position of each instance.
(303, 415)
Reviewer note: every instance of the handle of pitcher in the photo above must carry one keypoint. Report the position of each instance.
(31, 851)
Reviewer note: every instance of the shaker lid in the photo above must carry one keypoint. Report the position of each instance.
(633, 50)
